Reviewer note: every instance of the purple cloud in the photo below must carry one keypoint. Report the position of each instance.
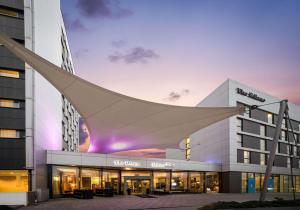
(102, 9)
(118, 43)
(81, 52)
(135, 55)
(74, 25)
(174, 96)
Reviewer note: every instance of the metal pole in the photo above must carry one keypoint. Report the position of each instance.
(291, 150)
(282, 109)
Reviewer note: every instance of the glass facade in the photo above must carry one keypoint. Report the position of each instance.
(139, 182)
(9, 103)
(179, 181)
(196, 182)
(9, 133)
(277, 183)
(13, 181)
(161, 181)
(212, 182)
(66, 179)
(110, 179)
(90, 179)
(9, 73)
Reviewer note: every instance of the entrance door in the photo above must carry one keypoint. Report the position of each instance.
(139, 186)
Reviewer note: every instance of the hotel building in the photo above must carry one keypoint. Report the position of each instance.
(40, 154)
(34, 116)
(241, 144)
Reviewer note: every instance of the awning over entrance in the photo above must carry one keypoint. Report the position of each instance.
(117, 122)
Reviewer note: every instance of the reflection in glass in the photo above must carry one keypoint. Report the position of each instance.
(179, 181)
(90, 179)
(196, 182)
(161, 181)
(110, 180)
(64, 180)
(257, 182)
(212, 182)
(13, 181)
(244, 182)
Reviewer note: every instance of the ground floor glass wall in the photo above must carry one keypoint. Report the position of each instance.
(14, 181)
(64, 180)
(196, 181)
(179, 181)
(110, 179)
(124, 181)
(212, 182)
(136, 182)
(161, 181)
(253, 182)
(90, 179)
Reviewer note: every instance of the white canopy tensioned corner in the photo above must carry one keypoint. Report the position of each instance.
(116, 119)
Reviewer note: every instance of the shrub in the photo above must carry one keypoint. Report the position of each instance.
(3, 207)
(278, 202)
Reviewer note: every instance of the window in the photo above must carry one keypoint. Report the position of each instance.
(196, 182)
(246, 157)
(270, 118)
(239, 124)
(262, 159)
(8, 133)
(262, 145)
(10, 13)
(9, 73)
(296, 137)
(283, 135)
(187, 149)
(188, 154)
(258, 182)
(9, 103)
(161, 181)
(212, 182)
(13, 181)
(283, 125)
(90, 179)
(239, 140)
(297, 183)
(179, 181)
(244, 182)
(262, 130)
(288, 162)
(247, 111)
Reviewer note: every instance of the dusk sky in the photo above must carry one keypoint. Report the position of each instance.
(179, 51)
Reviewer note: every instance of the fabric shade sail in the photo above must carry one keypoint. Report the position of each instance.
(117, 122)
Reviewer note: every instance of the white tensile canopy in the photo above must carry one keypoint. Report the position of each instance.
(117, 122)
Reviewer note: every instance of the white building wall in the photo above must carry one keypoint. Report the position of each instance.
(294, 112)
(114, 161)
(13, 198)
(43, 22)
(211, 144)
(177, 154)
(218, 142)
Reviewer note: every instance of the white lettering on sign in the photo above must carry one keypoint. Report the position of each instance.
(162, 165)
(126, 163)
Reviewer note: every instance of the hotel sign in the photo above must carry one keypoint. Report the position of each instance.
(250, 95)
(162, 165)
(126, 163)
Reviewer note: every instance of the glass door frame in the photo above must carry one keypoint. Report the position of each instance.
(140, 178)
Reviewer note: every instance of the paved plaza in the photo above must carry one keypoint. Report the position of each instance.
(166, 202)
